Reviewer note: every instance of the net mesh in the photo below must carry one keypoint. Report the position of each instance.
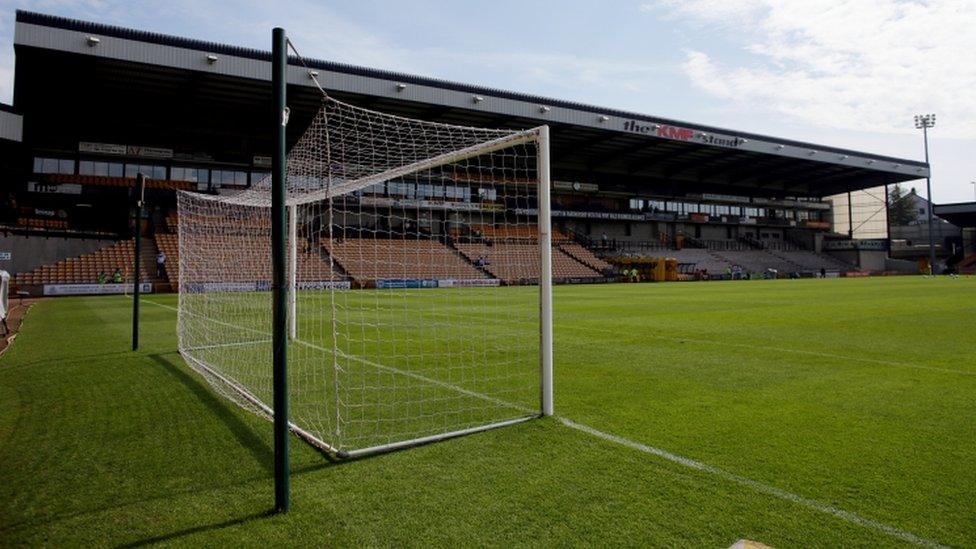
(412, 250)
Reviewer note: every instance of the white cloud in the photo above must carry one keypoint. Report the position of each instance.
(857, 64)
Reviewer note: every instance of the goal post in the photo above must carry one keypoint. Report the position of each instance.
(545, 281)
(417, 282)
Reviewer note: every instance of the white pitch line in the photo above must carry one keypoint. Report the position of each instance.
(757, 486)
(779, 350)
(779, 493)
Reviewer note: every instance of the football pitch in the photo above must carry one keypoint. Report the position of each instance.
(838, 412)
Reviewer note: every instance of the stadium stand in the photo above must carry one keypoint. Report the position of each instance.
(512, 263)
(367, 260)
(586, 257)
(169, 244)
(85, 269)
(172, 222)
(757, 261)
(700, 259)
(224, 250)
(812, 261)
(514, 233)
(968, 264)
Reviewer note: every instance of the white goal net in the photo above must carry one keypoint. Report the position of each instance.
(415, 260)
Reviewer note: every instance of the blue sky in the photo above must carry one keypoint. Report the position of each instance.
(848, 73)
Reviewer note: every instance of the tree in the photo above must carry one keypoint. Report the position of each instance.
(901, 207)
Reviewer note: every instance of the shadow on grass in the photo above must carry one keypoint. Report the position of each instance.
(262, 453)
(70, 359)
(197, 529)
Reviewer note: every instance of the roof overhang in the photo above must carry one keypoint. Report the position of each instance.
(618, 149)
(960, 214)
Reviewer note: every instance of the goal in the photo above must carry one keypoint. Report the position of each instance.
(419, 282)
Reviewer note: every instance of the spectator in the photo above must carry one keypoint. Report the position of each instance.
(117, 276)
(4, 304)
(160, 264)
(102, 277)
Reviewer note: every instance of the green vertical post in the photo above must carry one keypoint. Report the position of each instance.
(140, 190)
(279, 287)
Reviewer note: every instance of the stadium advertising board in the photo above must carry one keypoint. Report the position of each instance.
(585, 215)
(101, 148)
(53, 188)
(115, 149)
(411, 203)
(324, 285)
(260, 286)
(679, 133)
(468, 283)
(88, 289)
(402, 283)
(405, 283)
(875, 244)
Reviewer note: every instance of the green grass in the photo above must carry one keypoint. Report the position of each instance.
(859, 394)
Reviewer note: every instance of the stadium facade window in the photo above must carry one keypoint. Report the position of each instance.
(54, 165)
(102, 169)
(458, 193)
(636, 204)
(256, 177)
(149, 170)
(487, 194)
(400, 188)
(430, 191)
(229, 177)
(191, 174)
(379, 188)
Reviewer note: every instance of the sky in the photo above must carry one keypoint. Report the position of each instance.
(845, 73)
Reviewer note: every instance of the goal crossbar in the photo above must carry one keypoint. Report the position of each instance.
(452, 157)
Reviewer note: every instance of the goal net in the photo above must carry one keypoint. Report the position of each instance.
(415, 260)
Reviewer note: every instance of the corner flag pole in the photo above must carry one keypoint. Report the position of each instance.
(279, 64)
(140, 190)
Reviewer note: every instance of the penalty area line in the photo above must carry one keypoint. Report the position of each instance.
(757, 486)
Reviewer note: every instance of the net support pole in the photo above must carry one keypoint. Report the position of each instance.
(279, 288)
(140, 190)
(545, 275)
(292, 271)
